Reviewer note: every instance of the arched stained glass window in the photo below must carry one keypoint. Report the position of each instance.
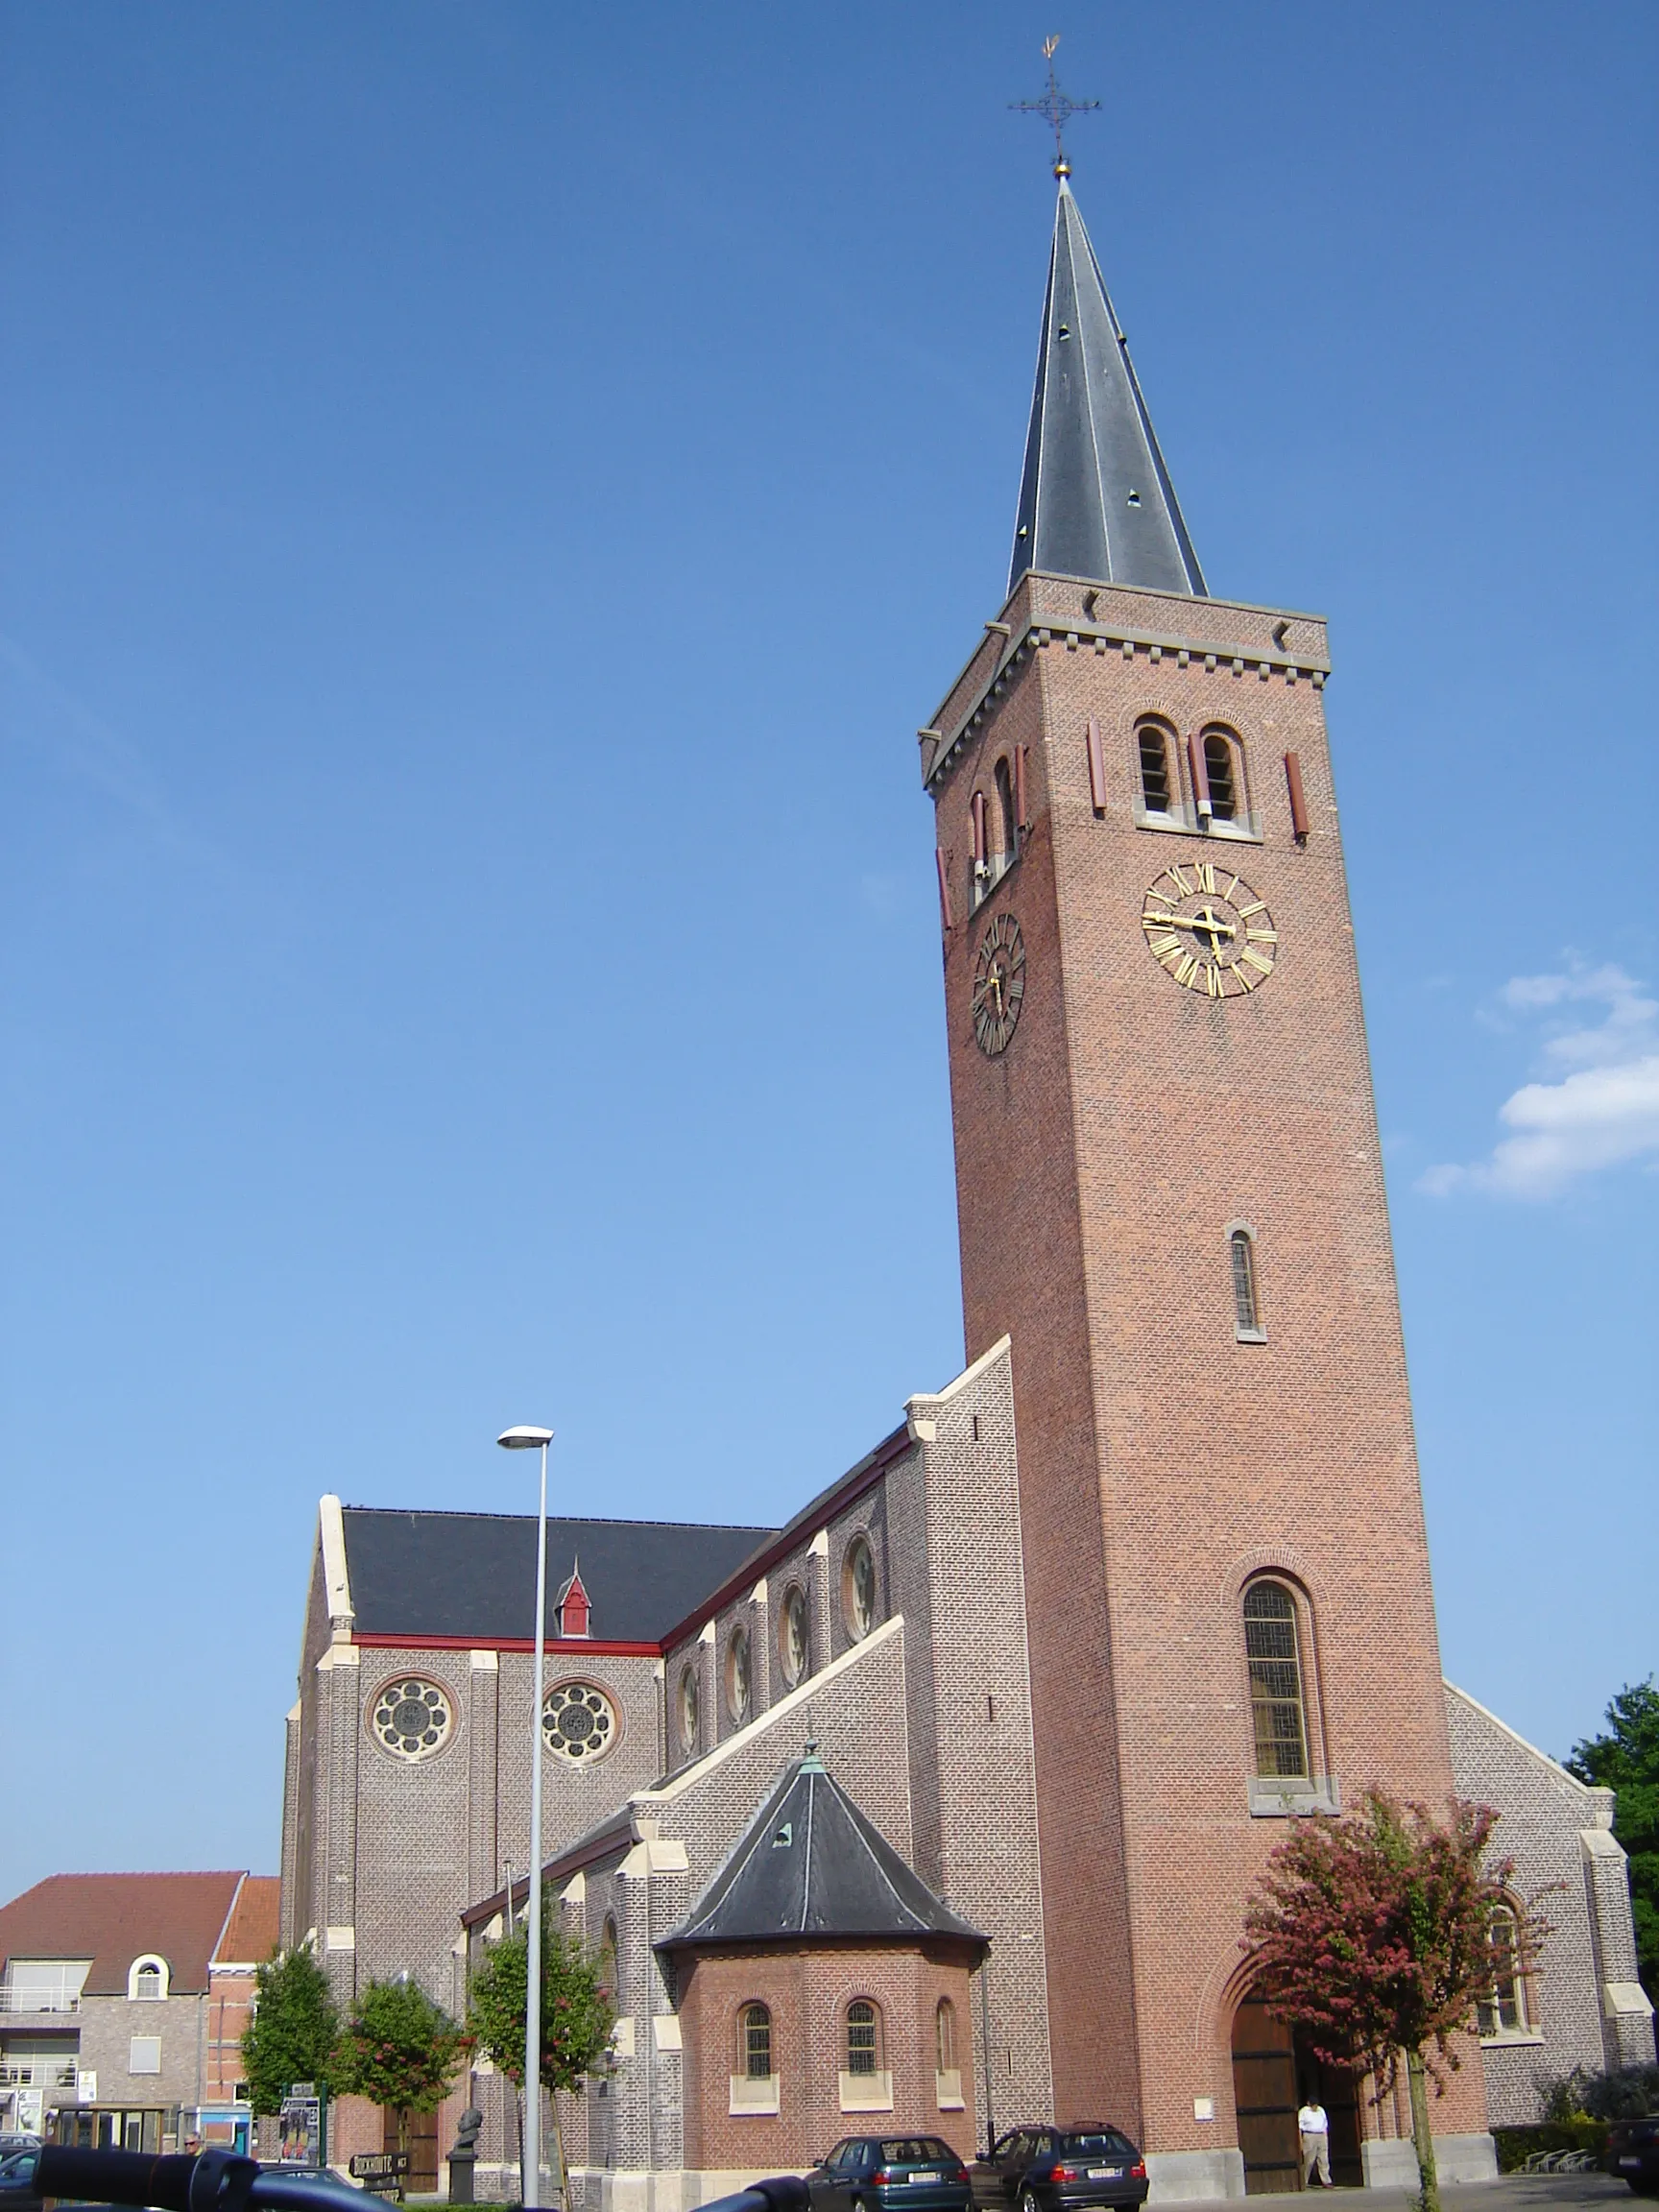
(863, 2038)
(755, 2043)
(1272, 1648)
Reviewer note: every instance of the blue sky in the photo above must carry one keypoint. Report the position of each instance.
(491, 493)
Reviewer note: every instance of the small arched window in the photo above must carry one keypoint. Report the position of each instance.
(863, 2038)
(608, 1957)
(945, 2036)
(755, 2043)
(1155, 778)
(1273, 1650)
(1246, 1309)
(146, 1978)
(1006, 823)
(1503, 2011)
(1221, 774)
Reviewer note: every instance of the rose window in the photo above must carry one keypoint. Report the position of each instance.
(412, 1718)
(578, 1723)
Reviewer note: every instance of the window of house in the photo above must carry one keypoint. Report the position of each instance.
(1006, 821)
(1221, 772)
(1246, 1314)
(863, 2038)
(688, 1714)
(1272, 1648)
(44, 1985)
(144, 2054)
(792, 1634)
(858, 1588)
(147, 1980)
(1503, 2011)
(945, 2036)
(738, 1676)
(755, 2043)
(1155, 780)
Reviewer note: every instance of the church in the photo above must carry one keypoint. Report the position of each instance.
(936, 1808)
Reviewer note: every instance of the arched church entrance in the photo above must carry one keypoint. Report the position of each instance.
(1273, 2072)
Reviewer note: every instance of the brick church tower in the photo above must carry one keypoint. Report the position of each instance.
(1171, 1197)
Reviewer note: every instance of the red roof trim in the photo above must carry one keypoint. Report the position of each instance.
(380, 1640)
(850, 1489)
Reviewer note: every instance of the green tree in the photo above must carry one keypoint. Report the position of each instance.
(294, 2032)
(1373, 1935)
(577, 2013)
(1626, 1759)
(399, 2050)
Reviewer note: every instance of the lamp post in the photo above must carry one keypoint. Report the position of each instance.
(530, 2179)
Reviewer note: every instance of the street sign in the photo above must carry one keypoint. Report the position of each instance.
(382, 2173)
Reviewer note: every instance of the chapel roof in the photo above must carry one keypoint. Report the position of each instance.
(811, 1864)
(473, 1575)
(113, 1920)
(1095, 499)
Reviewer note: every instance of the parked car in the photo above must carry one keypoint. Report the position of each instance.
(1633, 2154)
(1044, 2169)
(879, 2172)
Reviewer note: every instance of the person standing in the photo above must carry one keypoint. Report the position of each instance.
(1314, 2123)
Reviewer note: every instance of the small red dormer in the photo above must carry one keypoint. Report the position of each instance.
(572, 1607)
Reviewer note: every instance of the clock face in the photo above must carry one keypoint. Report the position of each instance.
(1207, 928)
(999, 984)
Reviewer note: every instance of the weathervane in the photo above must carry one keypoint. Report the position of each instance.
(1056, 107)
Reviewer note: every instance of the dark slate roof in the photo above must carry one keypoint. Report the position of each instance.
(1095, 499)
(473, 1575)
(811, 1864)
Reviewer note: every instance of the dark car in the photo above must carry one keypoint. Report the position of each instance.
(879, 2172)
(1633, 2154)
(1043, 2169)
(17, 2192)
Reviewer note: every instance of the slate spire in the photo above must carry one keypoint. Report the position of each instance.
(1095, 499)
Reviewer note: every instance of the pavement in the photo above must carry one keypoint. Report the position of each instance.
(1509, 2193)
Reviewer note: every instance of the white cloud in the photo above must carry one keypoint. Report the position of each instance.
(1603, 1114)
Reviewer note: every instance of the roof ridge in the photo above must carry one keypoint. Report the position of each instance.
(572, 1520)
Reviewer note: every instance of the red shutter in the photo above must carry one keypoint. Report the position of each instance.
(942, 860)
(1298, 802)
(1021, 820)
(980, 846)
(1200, 775)
(1096, 768)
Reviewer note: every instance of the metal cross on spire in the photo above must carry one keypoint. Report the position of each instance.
(1056, 109)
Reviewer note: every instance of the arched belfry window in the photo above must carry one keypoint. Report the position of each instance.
(1156, 779)
(1221, 774)
(1278, 1704)
(1247, 1305)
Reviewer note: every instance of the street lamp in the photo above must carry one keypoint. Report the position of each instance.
(530, 2180)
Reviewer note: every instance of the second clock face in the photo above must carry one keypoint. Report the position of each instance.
(1207, 929)
(999, 984)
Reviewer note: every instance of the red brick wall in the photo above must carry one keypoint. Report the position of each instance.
(1101, 1161)
(806, 1994)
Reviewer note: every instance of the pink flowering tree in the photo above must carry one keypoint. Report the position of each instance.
(400, 2050)
(1378, 1934)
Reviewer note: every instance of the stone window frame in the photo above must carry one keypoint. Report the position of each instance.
(1522, 1986)
(618, 1723)
(857, 1632)
(946, 2058)
(1174, 816)
(148, 1963)
(795, 1599)
(1242, 821)
(1255, 1332)
(451, 1731)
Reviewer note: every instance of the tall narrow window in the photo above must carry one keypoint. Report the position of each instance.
(863, 2038)
(1005, 819)
(1246, 1313)
(1154, 769)
(755, 2053)
(1503, 2011)
(1222, 770)
(945, 2036)
(1273, 1650)
(608, 1958)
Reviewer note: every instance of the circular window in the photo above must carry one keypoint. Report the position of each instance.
(578, 1723)
(859, 1587)
(738, 1676)
(412, 1718)
(792, 1645)
(688, 1709)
